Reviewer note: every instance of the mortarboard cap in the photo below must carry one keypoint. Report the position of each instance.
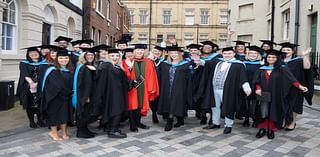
(63, 52)
(274, 52)
(268, 42)
(255, 48)
(86, 41)
(194, 46)
(45, 47)
(112, 50)
(228, 49)
(173, 48)
(288, 45)
(210, 43)
(140, 46)
(32, 48)
(62, 38)
(122, 41)
(92, 50)
(239, 42)
(73, 43)
(102, 47)
(128, 50)
(159, 48)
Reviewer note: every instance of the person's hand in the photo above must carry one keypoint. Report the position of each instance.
(303, 88)
(306, 52)
(259, 92)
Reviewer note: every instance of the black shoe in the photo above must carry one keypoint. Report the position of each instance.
(90, 132)
(261, 133)
(117, 134)
(227, 130)
(33, 125)
(198, 115)
(134, 129)
(212, 126)
(246, 123)
(210, 120)
(179, 123)
(155, 119)
(142, 126)
(203, 120)
(288, 129)
(169, 124)
(83, 134)
(40, 123)
(270, 134)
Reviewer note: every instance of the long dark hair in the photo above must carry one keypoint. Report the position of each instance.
(30, 60)
(69, 65)
(277, 64)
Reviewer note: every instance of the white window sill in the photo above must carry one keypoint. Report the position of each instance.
(99, 13)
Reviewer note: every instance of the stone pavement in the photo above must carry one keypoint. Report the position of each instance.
(188, 141)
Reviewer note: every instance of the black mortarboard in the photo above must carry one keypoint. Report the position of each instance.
(255, 48)
(128, 50)
(32, 48)
(194, 46)
(73, 43)
(159, 48)
(274, 52)
(122, 41)
(85, 41)
(92, 50)
(210, 43)
(239, 42)
(51, 47)
(62, 38)
(112, 50)
(288, 45)
(45, 47)
(173, 48)
(140, 46)
(268, 42)
(63, 52)
(102, 47)
(228, 49)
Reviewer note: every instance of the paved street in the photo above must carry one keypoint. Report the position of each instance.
(187, 141)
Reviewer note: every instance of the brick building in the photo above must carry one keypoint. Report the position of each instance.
(104, 20)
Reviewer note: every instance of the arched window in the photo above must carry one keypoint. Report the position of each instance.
(9, 24)
(70, 27)
(47, 30)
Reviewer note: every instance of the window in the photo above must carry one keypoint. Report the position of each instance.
(189, 16)
(203, 37)
(246, 11)
(98, 41)
(99, 6)
(286, 24)
(188, 39)
(223, 39)
(131, 17)
(166, 17)
(223, 17)
(143, 16)
(269, 29)
(143, 38)
(93, 33)
(159, 38)
(108, 9)
(171, 36)
(107, 40)
(118, 21)
(9, 25)
(204, 17)
(269, 5)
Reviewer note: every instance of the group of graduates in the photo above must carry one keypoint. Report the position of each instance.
(112, 85)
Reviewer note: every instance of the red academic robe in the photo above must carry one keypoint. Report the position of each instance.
(151, 87)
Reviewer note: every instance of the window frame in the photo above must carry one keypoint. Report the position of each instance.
(204, 16)
(14, 35)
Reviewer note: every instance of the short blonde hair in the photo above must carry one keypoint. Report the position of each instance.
(247, 55)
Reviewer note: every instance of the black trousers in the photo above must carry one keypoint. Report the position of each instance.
(83, 118)
(134, 118)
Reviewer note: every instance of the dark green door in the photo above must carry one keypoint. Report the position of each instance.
(313, 36)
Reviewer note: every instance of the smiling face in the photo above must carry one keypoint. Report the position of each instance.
(228, 55)
(122, 46)
(288, 51)
(103, 54)
(63, 61)
(44, 52)
(138, 53)
(114, 57)
(272, 59)
(207, 49)
(266, 47)
(53, 55)
(63, 44)
(253, 55)
(240, 49)
(34, 55)
(129, 55)
(174, 55)
(157, 53)
(89, 57)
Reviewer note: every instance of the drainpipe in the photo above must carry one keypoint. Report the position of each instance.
(150, 23)
(272, 19)
(297, 22)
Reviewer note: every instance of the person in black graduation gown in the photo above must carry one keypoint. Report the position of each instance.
(240, 49)
(225, 79)
(157, 57)
(81, 44)
(300, 67)
(56, 95)
(253, 63)
(209, 52)
(112, 94)
(83, 92)
(28, 89)
(175, 87)
(266, 45)
(62, 41)
(273, 83)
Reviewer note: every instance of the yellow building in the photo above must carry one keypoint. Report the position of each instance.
(153, 21)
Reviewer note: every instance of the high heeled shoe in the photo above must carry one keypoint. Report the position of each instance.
(288, 129)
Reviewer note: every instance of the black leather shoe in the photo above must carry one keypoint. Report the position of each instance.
(212, 126)
(203, 120)
(83, 134)
(210, 120)
(261, 133)
(179, 123)
(33, 125)
(117, 134)
(288, 129)
(246, 123)
(270, 134)
(169, 125)
(198, 115)
(227, 130)
(155, 119)
(90, 132)
(142, 126)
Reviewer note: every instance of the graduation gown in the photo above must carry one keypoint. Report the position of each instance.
(149, 89)
(175, 98)
(236, 77)
(34, 71)
(74, 56)
(82, 87)
(279, 86)
(111, 91)
(303, 76)
(240, 57)
(56, 96)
